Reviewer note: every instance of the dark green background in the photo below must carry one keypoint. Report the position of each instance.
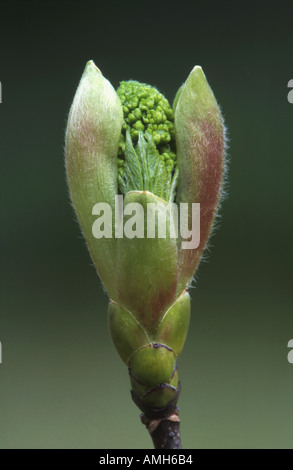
(61, 381)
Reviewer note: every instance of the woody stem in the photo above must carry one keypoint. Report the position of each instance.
(165, 432)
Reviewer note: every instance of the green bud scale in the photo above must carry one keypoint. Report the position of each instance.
(132, 143)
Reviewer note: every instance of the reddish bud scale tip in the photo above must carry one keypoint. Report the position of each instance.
(200, 140)
(212, 145)
(92, 137)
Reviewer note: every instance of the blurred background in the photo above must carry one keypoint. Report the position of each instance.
(62, 385)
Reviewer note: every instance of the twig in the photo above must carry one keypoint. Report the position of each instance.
(164, 432)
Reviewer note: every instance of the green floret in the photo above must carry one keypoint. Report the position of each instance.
(147, 152)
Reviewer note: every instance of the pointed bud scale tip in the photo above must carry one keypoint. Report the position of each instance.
(91, 64)
(92, 137)
(200, 143)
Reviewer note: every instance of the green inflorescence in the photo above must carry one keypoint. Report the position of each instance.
(147, 152)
